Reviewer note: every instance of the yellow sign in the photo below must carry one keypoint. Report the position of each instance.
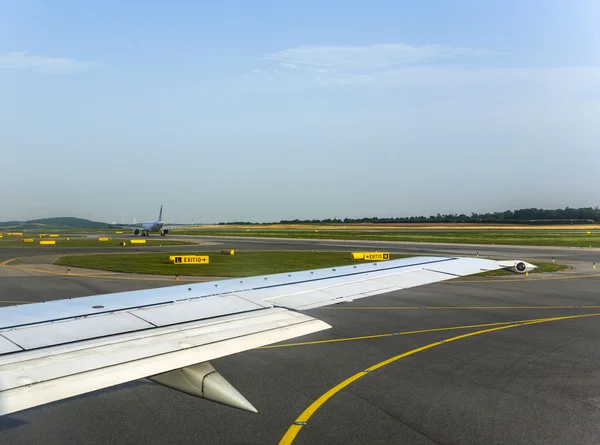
(138, 241)
(42, 234)
(118, 232)
(27, 240)
(48, 242)
(371, 256)
(104, 238)
(15, 233)
(54, 235)
(189, 259)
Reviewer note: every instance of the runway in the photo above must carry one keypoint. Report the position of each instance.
(506, 383)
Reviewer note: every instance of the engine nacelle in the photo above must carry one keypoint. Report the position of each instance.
(518, 266)
(136, 231)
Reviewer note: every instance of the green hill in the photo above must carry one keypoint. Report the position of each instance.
(64, 222)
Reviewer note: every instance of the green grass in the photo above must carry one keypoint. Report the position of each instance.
(514, 237)
(543, 268)
(242, 264)
(89, 242)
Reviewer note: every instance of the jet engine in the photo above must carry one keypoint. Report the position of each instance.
(518, 266)
(136, 231)
(163, 232)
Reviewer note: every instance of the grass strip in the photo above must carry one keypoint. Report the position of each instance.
(242, 264)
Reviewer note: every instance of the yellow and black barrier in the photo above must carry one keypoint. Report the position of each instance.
(47, 242)
(27, 240)
(54, 235)
(370, 256)
(104, 238)
(228, 251)
(138, 241)
(188, 259)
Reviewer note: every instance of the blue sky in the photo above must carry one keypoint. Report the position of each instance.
(256, 110)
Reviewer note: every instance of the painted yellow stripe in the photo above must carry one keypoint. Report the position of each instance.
(367, 337)
(302, 420)
(308, 412)
(333, 340)
(105, 277)
(5, 263)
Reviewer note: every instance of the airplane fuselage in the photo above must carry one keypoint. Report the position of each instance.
(151, 226)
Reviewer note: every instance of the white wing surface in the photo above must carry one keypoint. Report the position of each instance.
(54, 350)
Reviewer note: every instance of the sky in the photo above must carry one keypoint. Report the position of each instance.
(269, 110)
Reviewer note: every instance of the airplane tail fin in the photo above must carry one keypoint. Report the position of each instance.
(160, 214)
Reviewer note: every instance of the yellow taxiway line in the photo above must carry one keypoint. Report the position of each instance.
(368, 337)
(303, 419)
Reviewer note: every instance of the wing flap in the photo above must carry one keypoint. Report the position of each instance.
(35, 379)
(202, 308)
(49, 334)
(7, 346)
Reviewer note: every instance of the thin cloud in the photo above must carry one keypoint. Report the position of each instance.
(288, 65)
(428, 66)
(571, 79)
(378, 56)
(44, 64)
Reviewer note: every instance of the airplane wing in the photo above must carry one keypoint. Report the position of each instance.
(55, 350)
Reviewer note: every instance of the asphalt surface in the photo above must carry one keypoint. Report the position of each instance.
(523, 384)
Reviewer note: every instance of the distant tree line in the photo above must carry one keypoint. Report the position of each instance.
(533, 216)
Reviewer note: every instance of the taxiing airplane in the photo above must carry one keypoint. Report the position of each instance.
(152, 226)
(58, 349)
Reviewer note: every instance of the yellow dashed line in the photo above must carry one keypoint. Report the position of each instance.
(302, 420)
